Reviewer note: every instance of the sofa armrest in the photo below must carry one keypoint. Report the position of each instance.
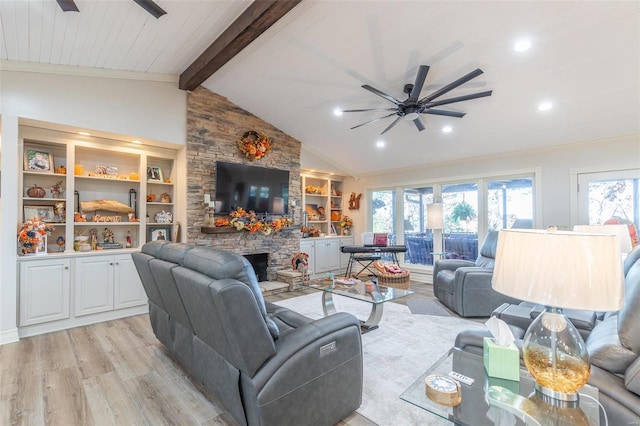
(473, 275)
(450, 265)
(311, 350)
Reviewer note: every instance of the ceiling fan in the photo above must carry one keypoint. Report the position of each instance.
(412, 107)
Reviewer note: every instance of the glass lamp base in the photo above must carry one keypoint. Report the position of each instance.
(557, 398)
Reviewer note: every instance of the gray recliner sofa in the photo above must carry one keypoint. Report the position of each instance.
(614, 350)
(465, 286)
(266, 365)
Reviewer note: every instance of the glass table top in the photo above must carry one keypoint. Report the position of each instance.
(474, 410)
(357, 289)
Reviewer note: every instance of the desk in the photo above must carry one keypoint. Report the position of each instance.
(366, 255)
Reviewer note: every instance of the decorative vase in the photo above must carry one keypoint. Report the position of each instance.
(38, 247)
(345, 231)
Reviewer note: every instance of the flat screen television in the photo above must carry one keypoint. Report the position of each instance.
(252, 188)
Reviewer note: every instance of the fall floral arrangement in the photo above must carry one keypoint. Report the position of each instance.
(250, 221)
(346, 222)
(255, 145)
(32, 234)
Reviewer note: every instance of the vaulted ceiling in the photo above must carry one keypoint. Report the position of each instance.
(584, 58)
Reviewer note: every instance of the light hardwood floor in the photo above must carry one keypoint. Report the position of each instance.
(111, 373)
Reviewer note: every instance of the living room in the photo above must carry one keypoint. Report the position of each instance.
(58, 100)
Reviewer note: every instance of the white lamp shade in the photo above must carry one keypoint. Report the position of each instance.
(435, 217)
(560, 269)
(621, 232)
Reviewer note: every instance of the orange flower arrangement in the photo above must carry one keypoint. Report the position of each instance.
(32, 233)
(249, 221)
(255, 145)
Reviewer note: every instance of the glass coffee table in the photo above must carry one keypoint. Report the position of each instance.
(377, 296)
(475, 410)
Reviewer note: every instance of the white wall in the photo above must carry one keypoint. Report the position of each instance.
(144, 109)
(555, 165)
(129, 105)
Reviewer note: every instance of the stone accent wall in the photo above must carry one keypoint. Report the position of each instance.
(214, 125)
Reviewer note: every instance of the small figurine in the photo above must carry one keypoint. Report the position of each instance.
(128, 244)
(94, 239)
(108, 236)
(56, 190)
(60, 211)
(60, 242)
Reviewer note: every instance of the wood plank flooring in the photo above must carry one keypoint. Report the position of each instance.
(111, 373)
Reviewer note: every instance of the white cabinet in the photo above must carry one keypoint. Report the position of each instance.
(44, 291)
(128, 289)
(327, 255)
(344, 257)
(104, 283)
(94, 285)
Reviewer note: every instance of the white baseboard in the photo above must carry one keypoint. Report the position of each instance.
(9, 336)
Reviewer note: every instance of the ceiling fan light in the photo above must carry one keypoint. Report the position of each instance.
(411, 116)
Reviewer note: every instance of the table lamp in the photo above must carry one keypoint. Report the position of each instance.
(558, 270)
(435, 219)
(621, 232)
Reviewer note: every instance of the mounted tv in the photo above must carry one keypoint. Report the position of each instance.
(252, 188)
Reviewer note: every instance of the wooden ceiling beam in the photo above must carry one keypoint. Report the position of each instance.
(258, 18)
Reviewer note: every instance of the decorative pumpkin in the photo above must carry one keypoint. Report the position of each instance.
(36, 192)
(151, 198)
(62, 170)
(165, 198)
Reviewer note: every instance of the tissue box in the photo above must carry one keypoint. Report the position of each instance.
(502, 362)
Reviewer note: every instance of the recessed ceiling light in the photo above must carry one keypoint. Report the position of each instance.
(84, 133)
(545, 106)
(337, 112)
(447, 129)
(380, 144)
(522, 45)
(137, 142)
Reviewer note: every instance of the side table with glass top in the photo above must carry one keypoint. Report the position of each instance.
(376, 295)
(475, 410)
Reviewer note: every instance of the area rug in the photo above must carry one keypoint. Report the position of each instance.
(394, 355)
(427, 307)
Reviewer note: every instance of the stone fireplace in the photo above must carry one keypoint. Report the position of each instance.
(214, 126)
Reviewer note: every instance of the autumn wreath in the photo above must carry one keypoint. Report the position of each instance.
(255, 145)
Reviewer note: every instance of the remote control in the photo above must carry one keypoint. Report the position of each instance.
(461, 378)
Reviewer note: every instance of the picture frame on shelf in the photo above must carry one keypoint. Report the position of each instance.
(154, 174)
(44, 212)
(155, 233)
(38, 160)
(333, 230)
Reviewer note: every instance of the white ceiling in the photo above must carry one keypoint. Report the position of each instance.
(585, 58)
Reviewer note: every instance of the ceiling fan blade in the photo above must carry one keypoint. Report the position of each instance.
(372, 109)
(445, 113)
(371, 121)
(419, 83)
(452, 85)
(458, 99)
(68, 6)
(381, 94)
(419, 124)
(151, 7)
(396, 121)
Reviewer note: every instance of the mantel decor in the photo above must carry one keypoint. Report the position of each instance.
(250, 221)
(255, 145)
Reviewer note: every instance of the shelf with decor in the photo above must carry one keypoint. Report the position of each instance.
(322, 203)
(160, 197)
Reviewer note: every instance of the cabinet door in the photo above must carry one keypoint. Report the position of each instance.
(327, 255)
(344, 257)
(94, 284)
(308, 246)
(44, 291)
(127, 285)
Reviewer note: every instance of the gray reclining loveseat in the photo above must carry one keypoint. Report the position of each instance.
(265, 364)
